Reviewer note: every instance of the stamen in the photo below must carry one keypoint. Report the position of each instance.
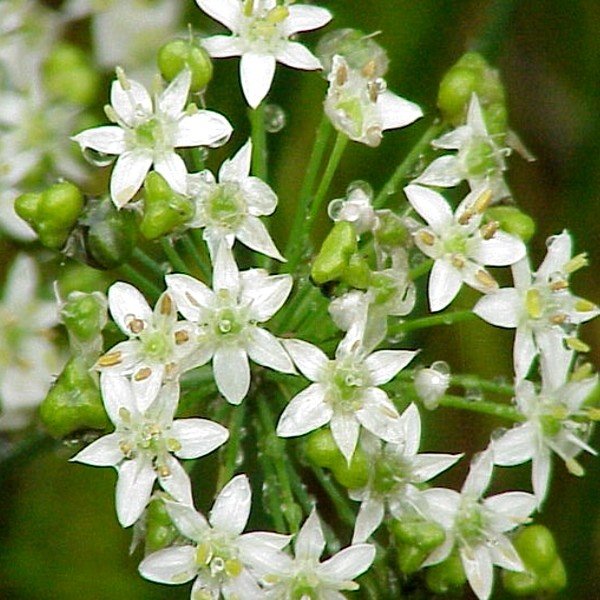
(166, 305)
(341, 75)
(458, 261)
(486, 279)
(373, 91)
(123, 81)
(574, 467)
(558, 319)
(583, 305)
(577, 345)
(466, 216)
(191, 299)
(488, 231)
(483, 201)
(369, 69)
(582, 372)
(142, 374)
(110, 359)
(533, 303)
(576, 263)
(135, 325)
(181, 337)
(559, 285)
(427, 238)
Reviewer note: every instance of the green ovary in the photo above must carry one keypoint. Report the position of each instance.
(479, 159)
(228, 323)
(149, 134)
(470, 521)
(388, 474)
(226, 206)
(156, 345)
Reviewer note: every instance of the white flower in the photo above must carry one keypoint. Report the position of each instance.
(29, 362)
(221, 559)
(147, 134)
(459, 247)
(478, 527)
(431, 383)
(159, 346)
(356, 208)
(228, 319)
(143, 444)
(555, 422)
(230, 209)
(478, 160)
(344, 393)
(541, 306)
(361, 106)
(396, 470)
(306, 577)
(261, 30)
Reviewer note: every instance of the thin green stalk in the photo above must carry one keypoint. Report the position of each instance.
(147, 287)
(189, 244)
(421, 269)
(197, 158)
(295, 238)
(408, 164)
(259, 142)
(230, 454)
(274, 505)
(201, 247)
(449, 318)
(472, 382)
(495, 409)
(148, 262)
(344, 512)
(173, 256)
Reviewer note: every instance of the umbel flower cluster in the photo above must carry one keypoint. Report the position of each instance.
(286, 369)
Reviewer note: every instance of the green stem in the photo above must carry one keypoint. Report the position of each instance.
(449, 318)
(344, 512)
(259, 142)
(227, 467)
(293, 248)
(274, 505)
(408, 164)
(202, 249)
(474, 382)
(173, 256)
(494, 409)
(189, 244)
(421, 269)
(148, 262)
(147, 287)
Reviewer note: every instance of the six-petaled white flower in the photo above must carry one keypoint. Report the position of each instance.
(143, 444)
(306, 577)
(344, 393)
(228, 318)
(541, 306)
(230, 208)
(260, 35)
(478, 527)
(146, 133)
(458, 245)
(220, 557)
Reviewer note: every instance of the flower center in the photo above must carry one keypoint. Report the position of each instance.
(470, 520)
(226, 206)
(480, 158)
(156, 345)
(347, 380)
(389, 473)
(149, 134)
(228, 323)
(219, 558)
(263, 29)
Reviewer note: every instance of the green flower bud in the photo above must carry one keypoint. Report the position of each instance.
(391, 231)
(520, 584)
(84, 315)
(321, 449)
(164, 210)
(26, 206)
(410, 558)
(536, 547)
(69, 75)
(361, 52)
(357, 273)
(81, 278)
(354, 475)
(160, 531)
(425, 535)
(175, 55)
(555, 579)
(447, 575)
(512, 220)
(74, 402)
(335, 253)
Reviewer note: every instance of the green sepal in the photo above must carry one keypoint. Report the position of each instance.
(447, 575)
(410, 558)
(512, 220)
(164, 209)
(335, 253)
(353, 475)
(391, 231)
(425, 535)
(84, 315)
(357, 273)
(73, 403)
(175, 55)
(160, 531)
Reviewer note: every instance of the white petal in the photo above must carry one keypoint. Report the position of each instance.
(260, 550)
(108, 139)
(297, 56)
(555, 358)
(386, 364)
(524, 352)
(501, 308)
(198, 437)
(501, 250)
(104, 452)
(228, 12)
(510, 509)
(194, 299)
(480, 473)
(410, 421)
(174, 99)
(222, 46)
(445, 282)
(237, 168)
(174, 565)
(442, 172)
(242, 586)
(431, 206)
(310, 542)
(475, 118)
(395, 111)
(266, 295)
(261, 199)
(126, 303)
(305, 18)
(453, 140)
(116, 394)
(128, 175)
(559, 253)
(310, 359)
(368, 519)
(188, 521)
(265, 349)
(345, 429)
(232, 372)
(171, 166)
(504, 554)
(226, 275)
(521, 274)
(516, 446)
(306, 412)
(477, 563)
(134, 487)
(253, 234)
(428, 466)
(349, 563)
(540, 474)
(132, 104)
(204, 128)
(442, 505)
(380, 416)
(177, 483)
(256, 73)
(231, 509)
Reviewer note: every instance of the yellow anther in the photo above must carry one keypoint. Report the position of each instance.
(248, 8)
(373, 91)
(560, 413)
(123, 79)
(583, 305)
(483, 201)
(533, 303)
(154, 430)
(204, 554)
(126, 448)
(170, 369)
(577, 345)
(486, 279)
(558, 319)
(110, 359)
(458, 261)
(191, 299)
(369, 69)
(233, 567)
(181, 337)
(427, 238)
(466, 216)
(173, 445)
(593, 414)
(574, 467)
(278, 14)
(166, 305)
(576, 263)
(163, 471)
(341, 75)
(582, 372)
(135, 325)
(124, 414)
(111, 113)
(142, 374)
(488, 231)
(559, 285)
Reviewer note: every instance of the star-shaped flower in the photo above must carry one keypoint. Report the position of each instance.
(395, 474)
(146, 133)
(228, 317)
(230, 209)
(143, 444)
(220, 558)
(306, 577)
(362, 107)
(478, 527)
(344, 393)
(260, 35)
(459, 246)
(479, 160)
(159, 346)
(541, 306)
